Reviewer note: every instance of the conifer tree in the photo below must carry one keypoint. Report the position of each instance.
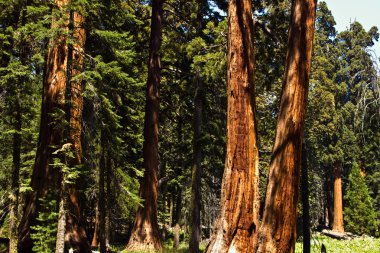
(359, 213)
(277, 231)
(236, 229)
(145, 235)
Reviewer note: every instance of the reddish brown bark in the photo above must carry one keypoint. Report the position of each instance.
(278, 229)
(50, 136)
(94, 242)
(145, 235)
(75, 234)
(236, 230)
(338, 199)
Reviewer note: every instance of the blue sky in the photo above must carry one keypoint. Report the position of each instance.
(367, 12)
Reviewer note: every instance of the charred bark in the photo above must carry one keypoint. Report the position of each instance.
(236, 229)
(338, 199)
(145, 235)
(278, 229)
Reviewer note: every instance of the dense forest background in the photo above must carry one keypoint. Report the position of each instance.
(108, 44)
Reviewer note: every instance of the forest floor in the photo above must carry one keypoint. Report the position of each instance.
(363, 244)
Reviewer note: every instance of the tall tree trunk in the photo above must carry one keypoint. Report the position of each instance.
(278, 229)
(338, 201)
(305, 200)
(236, 229)
(75, 232)
(50, 136)
(16, 159)
(102, 200)
(17, 138)
(108, 200)
(197, 169)
(145, 233)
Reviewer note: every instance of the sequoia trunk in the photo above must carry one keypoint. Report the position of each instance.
(50, 135)
(278, 229)
(338, 201)
(75, 233)
(145, 235)
(236, 229)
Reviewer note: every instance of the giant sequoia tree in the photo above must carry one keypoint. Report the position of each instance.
(236, 229)
(145, 233)
(277, 231)
(46, 178)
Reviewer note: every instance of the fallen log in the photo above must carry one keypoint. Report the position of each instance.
(334, 234)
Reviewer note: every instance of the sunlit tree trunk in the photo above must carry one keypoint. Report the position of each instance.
(75, 233)
(278, 229)
(236, 229)
(50, 136)
(145, 233)
(338, 199)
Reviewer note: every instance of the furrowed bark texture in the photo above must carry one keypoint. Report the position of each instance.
(278, 229)
(338, 199)
(236, 229)
(145, 235)
(197, 170)
(75, 232)
(50, 136)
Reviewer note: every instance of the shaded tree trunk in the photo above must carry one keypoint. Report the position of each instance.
(16, 160)
(145, 235)
(50, 135)
(102, 200)
(305, 201)
(338, 199)
(236, 229)
(196, 196)
(278, 229)
(17, 138)
(75, 232)
(108, 200)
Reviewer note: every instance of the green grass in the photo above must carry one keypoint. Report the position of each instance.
(362, 244)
